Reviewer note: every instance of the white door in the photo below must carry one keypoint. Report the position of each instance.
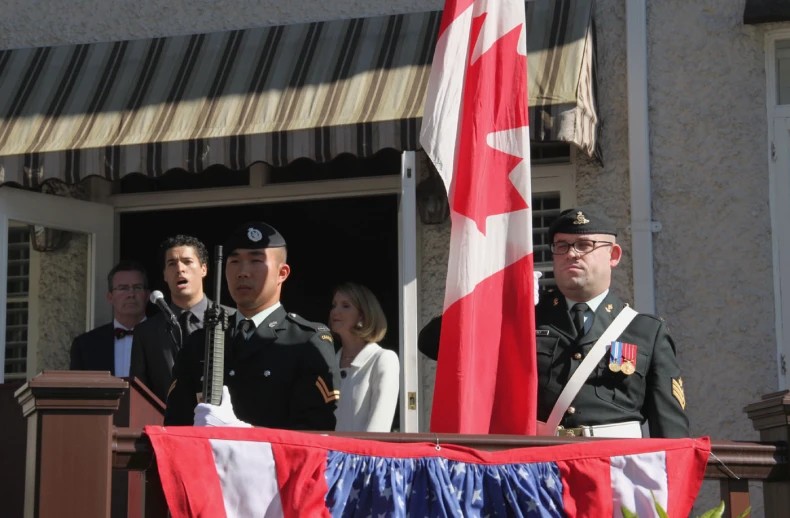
(780, 215)
(54, 258)
(410, 375)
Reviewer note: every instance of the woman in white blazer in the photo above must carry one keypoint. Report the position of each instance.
(369, 374)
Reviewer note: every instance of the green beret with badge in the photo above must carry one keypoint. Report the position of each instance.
(582, 220)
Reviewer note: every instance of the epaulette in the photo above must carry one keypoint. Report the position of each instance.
(303, 322)
(651, 316)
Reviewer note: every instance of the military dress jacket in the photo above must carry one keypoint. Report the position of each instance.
(283, 376)
(653, 393)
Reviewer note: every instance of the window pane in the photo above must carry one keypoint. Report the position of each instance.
(16, 340)
(545, 209)
(16, 309)
(18, 261)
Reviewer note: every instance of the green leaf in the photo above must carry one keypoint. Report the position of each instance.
(659, 509)
(717, 512)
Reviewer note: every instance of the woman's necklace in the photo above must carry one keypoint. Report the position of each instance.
(347, 358)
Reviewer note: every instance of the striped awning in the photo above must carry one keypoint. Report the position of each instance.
(271, 94)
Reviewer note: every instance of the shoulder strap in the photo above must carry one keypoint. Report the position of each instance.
(574, 384)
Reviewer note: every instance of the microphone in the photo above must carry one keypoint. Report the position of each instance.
(159, 299)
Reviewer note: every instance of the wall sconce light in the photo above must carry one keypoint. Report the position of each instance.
(432, 201)
(43, 239)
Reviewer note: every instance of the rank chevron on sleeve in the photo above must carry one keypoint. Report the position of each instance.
(329, 395)
(677, 391)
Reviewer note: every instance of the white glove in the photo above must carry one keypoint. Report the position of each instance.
(538, 275)
(222, 415)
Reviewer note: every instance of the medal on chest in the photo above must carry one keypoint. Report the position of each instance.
(629, 359)
(622, 358)
(615, 356)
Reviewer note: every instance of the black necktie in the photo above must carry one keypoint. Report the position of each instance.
(187, 326)
(577, 314)
(244, 327)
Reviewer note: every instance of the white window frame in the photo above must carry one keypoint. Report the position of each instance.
(33, 312)
(559, 178)
(409, 296)
(780, 208)
(556, 178)
(34, 278)
(61, 213)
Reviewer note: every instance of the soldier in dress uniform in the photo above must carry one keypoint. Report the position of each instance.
(637, 379)
(280, 370)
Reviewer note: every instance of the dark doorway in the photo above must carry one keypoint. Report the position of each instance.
(329, 242)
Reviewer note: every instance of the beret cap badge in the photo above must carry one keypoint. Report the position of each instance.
(254, 235)
(580, 219)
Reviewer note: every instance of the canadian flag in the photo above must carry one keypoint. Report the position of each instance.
(476, 131)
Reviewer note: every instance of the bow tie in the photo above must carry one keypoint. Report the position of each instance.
(121, 332)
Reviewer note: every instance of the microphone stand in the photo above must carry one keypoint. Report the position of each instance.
(171, 321)
(172, 324)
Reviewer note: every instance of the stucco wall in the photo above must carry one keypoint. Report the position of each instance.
(709, 180)
(708, 145)
(434, 244)
(62, 303)
(61, 291)
(33, 23)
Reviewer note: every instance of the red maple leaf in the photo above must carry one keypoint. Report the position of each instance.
(494, 99)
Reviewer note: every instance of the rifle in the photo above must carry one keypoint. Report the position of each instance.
(215, 322)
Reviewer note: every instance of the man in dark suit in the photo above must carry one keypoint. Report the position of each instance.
(108, 347)
(638, 380)
(157, 342)
(279, 368)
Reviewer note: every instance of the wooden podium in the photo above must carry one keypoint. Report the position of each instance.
(53, 399)
(138, 407)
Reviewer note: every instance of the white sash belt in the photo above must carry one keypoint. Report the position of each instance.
(574, 384)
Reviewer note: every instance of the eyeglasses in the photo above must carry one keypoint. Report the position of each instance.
(123, 288)
(582, 246)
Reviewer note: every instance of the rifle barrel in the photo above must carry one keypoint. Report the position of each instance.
(214, 360)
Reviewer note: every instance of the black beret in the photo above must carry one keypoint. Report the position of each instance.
(582, 220)
(253, 235)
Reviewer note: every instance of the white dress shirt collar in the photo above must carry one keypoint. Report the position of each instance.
(258, 318)
(593, 303)
(115, 324)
